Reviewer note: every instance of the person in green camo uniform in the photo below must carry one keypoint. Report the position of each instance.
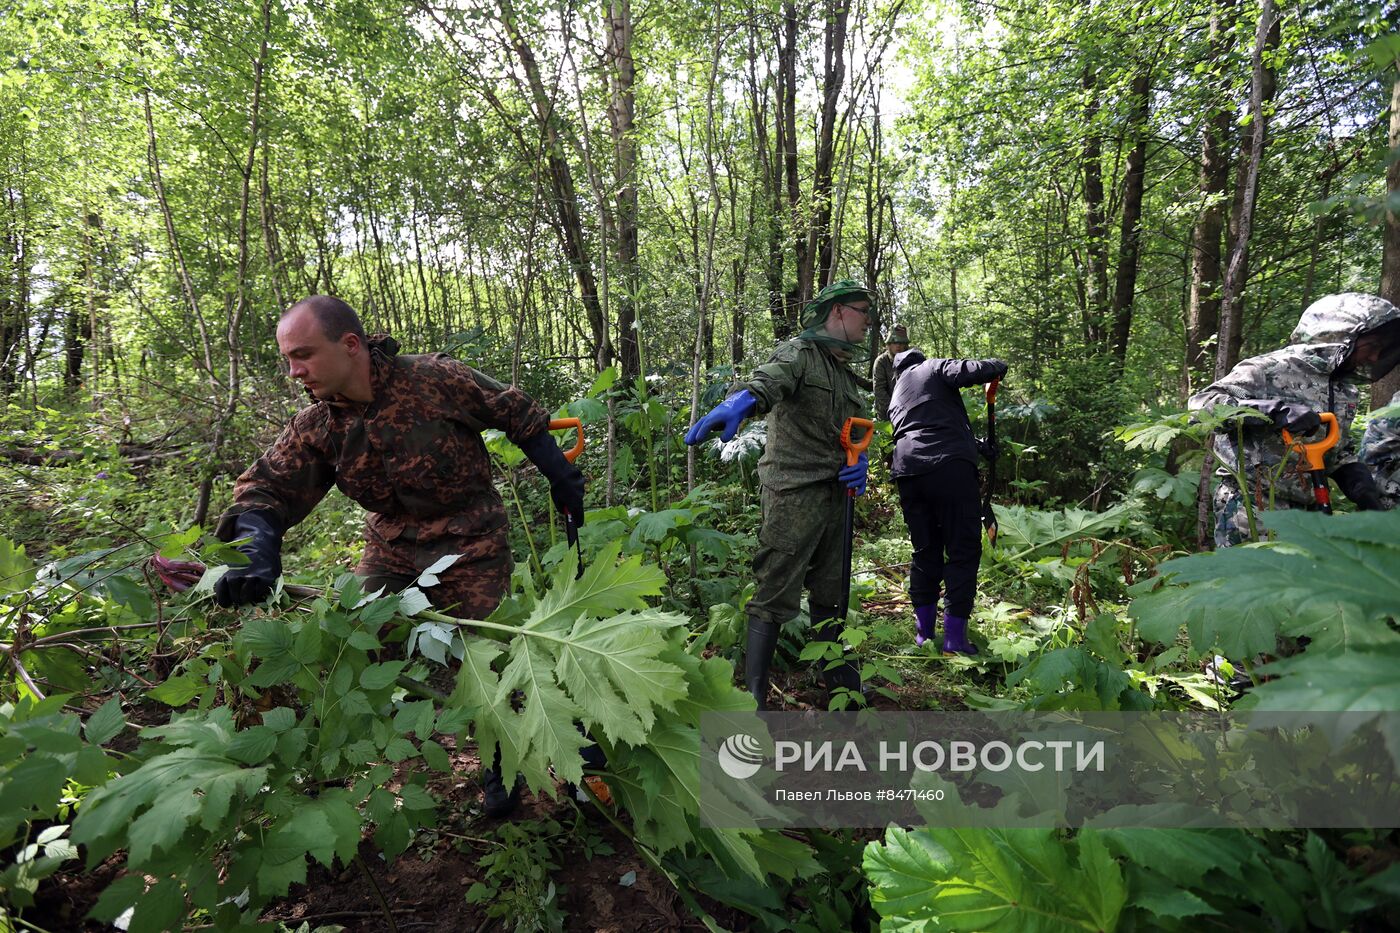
(807, 390)
(401, 436)
(884, 375)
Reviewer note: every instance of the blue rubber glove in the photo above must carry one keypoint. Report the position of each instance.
(727, 414)
(854, 475)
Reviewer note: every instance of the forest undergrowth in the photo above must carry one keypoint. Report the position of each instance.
(314, 764)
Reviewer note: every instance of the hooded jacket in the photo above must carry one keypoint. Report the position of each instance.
(1306, 374)
(927, 412)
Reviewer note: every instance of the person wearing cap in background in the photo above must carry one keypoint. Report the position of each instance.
(883, 377)
(807, 389)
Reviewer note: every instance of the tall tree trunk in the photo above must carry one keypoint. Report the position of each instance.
(241, 298)
(1261, 89)
(569, 224)
(1203, 313)
(177, 254)
(277, 273)
(770, 166)
(622, 109)
(704, 344)
(876, 200)
(1382, 391)
(787, 118)
(819, 237)
(14, 288)
(1130, 231)
(1095, 233)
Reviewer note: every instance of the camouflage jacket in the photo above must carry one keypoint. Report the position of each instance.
(807, 394)
(413, 457)
(884, 384)
(1305, 373)
(1380, 450)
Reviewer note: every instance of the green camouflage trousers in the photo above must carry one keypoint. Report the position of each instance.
(799, 544)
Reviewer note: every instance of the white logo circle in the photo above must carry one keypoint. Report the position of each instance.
(740, 756)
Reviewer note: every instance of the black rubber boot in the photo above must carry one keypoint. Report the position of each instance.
(758, 658)
(496, 801)
(845, 675)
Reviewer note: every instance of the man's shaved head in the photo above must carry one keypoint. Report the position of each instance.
(335, 316)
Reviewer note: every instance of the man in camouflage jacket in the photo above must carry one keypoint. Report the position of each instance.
(401, 436)
(807, 390)
(1380, 450)
(883, 375)
(1340, 343)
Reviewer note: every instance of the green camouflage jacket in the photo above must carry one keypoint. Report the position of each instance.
(1304, 372)
(883, 378)
(1380, 450)
(413, 457)
(807, 394)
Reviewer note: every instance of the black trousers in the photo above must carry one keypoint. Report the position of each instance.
(943, 510)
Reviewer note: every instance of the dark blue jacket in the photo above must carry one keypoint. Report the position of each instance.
(927, 414)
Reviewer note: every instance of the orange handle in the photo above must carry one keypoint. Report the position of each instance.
(992, 390)
(559, 424)
(1312, 453)
(855, 448)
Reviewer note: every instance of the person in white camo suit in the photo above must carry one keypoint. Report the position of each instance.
(1341, 342)
(1380, 450)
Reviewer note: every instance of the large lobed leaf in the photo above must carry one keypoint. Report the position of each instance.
(1028, 532)
(1022, 880)
(1334, 579)
(589, 651)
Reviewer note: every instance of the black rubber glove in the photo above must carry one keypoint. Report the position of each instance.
(1358, 483)
(988, 449)
(565, 479)
(242, 586)
(1296, 417)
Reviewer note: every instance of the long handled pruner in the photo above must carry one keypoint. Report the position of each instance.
(570, 529)
(853, 451)
(989, 515)
(1312, 454)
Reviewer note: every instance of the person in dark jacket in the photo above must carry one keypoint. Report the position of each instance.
(935, 467)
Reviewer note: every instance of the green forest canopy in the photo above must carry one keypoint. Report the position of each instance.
(662, 185)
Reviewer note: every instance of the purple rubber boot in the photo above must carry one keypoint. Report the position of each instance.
(927, 617)
(955, 639)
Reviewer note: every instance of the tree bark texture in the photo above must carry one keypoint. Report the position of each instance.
(1130, 232)
(569, 224)
(1203, 312)
(1382, 391)
(819, 250)
(1095, 234)
(1262, 85)
(787, 119)
(622, 108)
